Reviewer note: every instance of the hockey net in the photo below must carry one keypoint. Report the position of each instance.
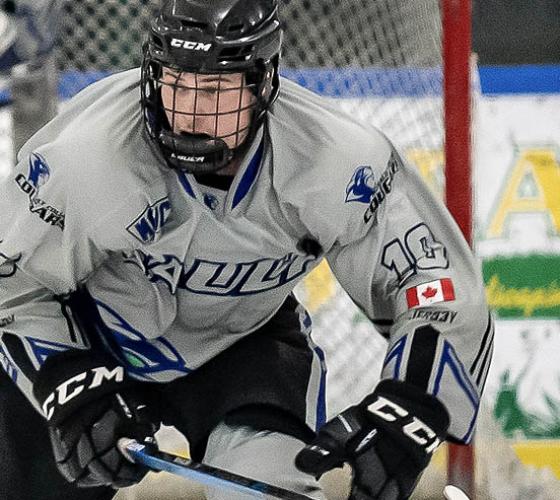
(379, 59)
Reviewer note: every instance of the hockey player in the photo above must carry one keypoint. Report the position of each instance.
(149, 254)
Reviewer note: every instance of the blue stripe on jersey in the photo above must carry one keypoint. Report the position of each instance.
(396, 352)
(8, 365)
(321, 416)
(42, 349)
(306, 326)
(249, 176)
(141, 356)
(183, 179)
(449, 359)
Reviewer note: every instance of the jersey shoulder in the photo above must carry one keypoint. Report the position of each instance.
(307, 119)
(326, 163)
(96, 151)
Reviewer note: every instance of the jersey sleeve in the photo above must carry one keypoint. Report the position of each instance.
(403, 260)
(43, 256)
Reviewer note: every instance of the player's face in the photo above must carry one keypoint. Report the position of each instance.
(217, 105)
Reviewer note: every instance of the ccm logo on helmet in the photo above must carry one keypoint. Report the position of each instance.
(411, 426)
(69, 389)
(186, 44)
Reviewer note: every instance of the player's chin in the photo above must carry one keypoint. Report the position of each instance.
(231, 137)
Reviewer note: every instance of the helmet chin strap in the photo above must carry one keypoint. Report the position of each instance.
(196, 153)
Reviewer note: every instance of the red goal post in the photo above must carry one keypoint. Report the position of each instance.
(457, 49)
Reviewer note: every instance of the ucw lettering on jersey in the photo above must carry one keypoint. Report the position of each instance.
(151, 221)
(224, 278)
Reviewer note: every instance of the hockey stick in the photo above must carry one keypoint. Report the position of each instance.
(211, 476)
(205, 474)
(92, 326)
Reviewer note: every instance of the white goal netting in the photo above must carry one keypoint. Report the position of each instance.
(360, 49)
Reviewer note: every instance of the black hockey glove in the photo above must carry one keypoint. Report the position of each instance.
(388, 439)
(90, 403)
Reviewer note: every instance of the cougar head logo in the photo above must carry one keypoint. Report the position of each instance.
(39, 171)
(362, 187)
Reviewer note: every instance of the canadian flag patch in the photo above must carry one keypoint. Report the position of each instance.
(430, 293)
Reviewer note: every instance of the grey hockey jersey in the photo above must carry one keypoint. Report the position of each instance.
(181, 271)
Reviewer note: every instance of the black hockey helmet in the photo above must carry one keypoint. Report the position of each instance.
(209, 37)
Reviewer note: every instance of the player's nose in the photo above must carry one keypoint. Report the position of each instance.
(196, 125)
